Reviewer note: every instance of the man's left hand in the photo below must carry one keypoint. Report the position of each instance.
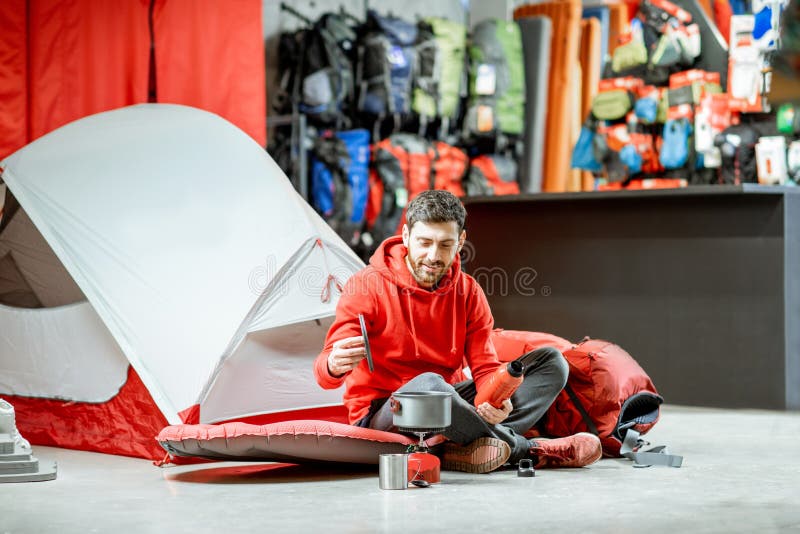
(493, 415)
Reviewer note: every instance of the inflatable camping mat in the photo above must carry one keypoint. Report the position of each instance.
(287, 441)
(298, 441)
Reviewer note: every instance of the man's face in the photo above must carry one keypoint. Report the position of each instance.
(432, 248)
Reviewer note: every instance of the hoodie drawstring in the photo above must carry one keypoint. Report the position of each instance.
(453, 328)
(453, 348)
(413, 327)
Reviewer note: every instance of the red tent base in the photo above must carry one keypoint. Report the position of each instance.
(123, 425)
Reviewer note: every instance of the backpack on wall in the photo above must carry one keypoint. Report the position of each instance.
(386, 63)
(448, 168)
(439, 68)
(404, 165)
(339, 180)
(492, 174)
(316, 71)
(496, 80)
(400, 161)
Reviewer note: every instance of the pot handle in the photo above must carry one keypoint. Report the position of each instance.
(394, 405)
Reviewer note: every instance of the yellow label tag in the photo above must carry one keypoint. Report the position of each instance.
(485, 118)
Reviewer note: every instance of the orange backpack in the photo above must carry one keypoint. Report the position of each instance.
(492, 174)
(403, 166)
(607, 392)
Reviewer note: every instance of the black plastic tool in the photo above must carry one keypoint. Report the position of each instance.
(525, 468)
(366, 342)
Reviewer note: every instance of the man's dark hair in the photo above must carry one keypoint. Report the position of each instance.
(435, 206)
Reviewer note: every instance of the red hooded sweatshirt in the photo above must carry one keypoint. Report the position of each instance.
(411, 330)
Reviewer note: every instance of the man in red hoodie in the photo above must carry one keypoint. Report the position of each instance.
(425, 318)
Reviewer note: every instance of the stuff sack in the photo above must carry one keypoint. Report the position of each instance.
(612, 105)
(583, 155)
(387, 56)
(646, 109)
(737, 146)
(496, 80)
(629, 55)
(675, 148)
(631, 158)
(492, 174)
(439, 68)
(607, 392)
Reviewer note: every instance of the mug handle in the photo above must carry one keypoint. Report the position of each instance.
(412, 474)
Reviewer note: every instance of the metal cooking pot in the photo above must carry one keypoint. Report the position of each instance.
(421, 410)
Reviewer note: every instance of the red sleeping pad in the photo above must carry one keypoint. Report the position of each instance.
(288, 441)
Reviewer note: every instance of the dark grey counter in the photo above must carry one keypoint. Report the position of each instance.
(701, 285)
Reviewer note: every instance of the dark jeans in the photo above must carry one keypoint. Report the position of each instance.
(545, 376)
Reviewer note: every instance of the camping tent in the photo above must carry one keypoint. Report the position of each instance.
(157, 267)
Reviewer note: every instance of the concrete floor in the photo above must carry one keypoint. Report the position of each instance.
(741, 473)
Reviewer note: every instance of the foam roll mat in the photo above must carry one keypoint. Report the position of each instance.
(288, 441)
(565, 16)
(591, 64)
(602, 15)
(536, 33)
(618, 24)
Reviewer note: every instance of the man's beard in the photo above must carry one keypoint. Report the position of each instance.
(425, 277)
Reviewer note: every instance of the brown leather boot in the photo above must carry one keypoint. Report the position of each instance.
(577, 450)
(481, 456)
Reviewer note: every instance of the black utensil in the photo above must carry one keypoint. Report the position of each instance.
(366, 342)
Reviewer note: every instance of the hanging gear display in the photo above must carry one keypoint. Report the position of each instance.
(316, 70)
(496, 80)
(737, 145)
(404, 165)
(492, 174)
(439, 68)
(339, 180)
(386, 63)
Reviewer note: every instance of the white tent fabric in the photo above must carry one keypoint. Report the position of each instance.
(184, 236)
(89, 367)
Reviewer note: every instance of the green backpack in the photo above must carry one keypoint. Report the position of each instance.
(439, 68)
(496, 79)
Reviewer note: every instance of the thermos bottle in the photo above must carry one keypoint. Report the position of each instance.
(502, 384)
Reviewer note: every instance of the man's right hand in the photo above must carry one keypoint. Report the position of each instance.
(345, 355)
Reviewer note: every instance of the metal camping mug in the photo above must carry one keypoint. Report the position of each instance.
(393, 471)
